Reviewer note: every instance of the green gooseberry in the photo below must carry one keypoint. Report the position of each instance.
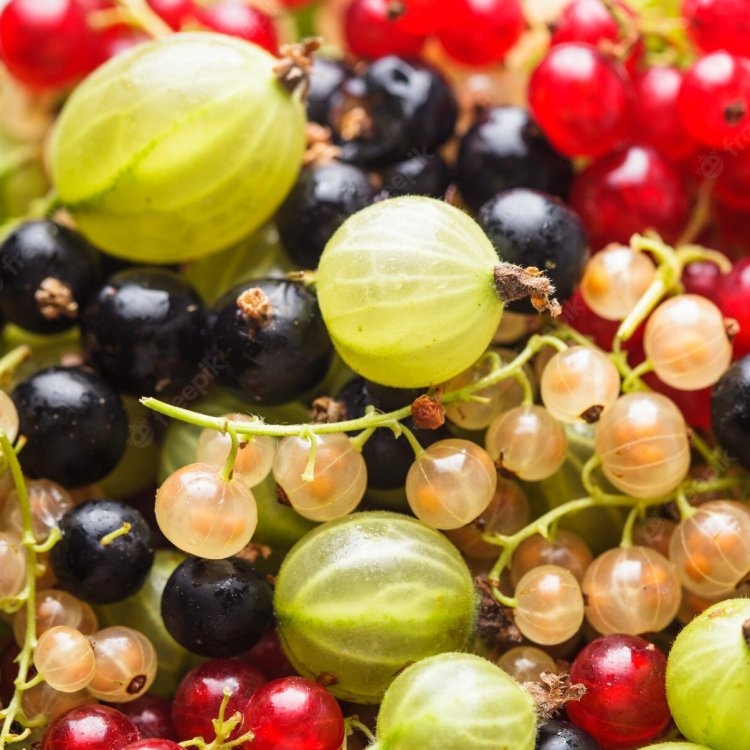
(708, 676)
(360, 598)
(455, 701)
(178, 147)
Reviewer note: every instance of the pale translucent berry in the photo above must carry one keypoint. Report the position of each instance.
(615, 279)
(631, 590)
(578, 382)
(686, 340)
(711, 549)
(126, 664)
(204, 514)
(65, 659)
(450, 483)
(565, 549)
(336, 484)
(526, 663)
(549, 605)
(642, 440)
(527, 442)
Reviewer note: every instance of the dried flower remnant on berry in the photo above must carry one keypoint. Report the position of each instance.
(428, 413)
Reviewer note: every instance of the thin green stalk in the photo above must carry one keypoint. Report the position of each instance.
(25, 658)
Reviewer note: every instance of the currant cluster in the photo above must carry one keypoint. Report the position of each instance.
(370, 365)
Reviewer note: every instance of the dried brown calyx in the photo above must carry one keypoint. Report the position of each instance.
(514, 282)
(293, 69)
(54, 299)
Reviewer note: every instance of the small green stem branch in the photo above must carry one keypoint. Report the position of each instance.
(223, 728)
(370, 420)
(13, 710)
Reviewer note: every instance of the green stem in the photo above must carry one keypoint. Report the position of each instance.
(24, 659)
(370, 419)
(141, 15)
(626, 540)
(228, 470)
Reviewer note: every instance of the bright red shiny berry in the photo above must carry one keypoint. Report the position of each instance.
(718, 24)
(582, 100)
(90, 727)
(45, 45)
(483, 31)
(714, 101)
(369, 32)
(199, 695)
(625, 703)
(293, 713)
(242, 20)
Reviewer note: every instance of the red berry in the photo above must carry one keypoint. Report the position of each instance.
(199, 695)
(152, 714)
(370, 32)
(592, 22)
(625, 703)
(239, 19)
(484, 31)
(423, 17)
(90, 727)
(293, 713)
(627, 191)
(733, 299)
(714, 101)
(718, 24)
(45, 45)
(656, 90)
(582, 100)
(153, 743)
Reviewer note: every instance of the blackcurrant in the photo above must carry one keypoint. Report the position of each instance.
(271, 344)
(105, 552)
(216, 608)
(730, 411)
(74, 423)
(421, 174)
(326, 77)
(324, 195)
(558, 734)
(397, 108)
(504, 149)
(145, 331)
(531, 228)
(47, 275)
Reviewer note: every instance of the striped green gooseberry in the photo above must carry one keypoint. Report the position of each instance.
(178, 147)
(412, 291)
(360, 598)
(455, 701)
(708, 676)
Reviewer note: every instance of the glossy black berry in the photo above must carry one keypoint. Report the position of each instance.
(323, 196)
(530, 228)
(48, 273)
(74, 423)
(396, 109)
(558, 734)
(105, 553)
(216, 608)
(145, 331)
(270, 343)
(505, 149)
(421, 174)
(388, 458)
(326, 78)
(730, 411)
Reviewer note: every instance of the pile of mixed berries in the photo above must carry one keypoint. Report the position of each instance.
(375, 374)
